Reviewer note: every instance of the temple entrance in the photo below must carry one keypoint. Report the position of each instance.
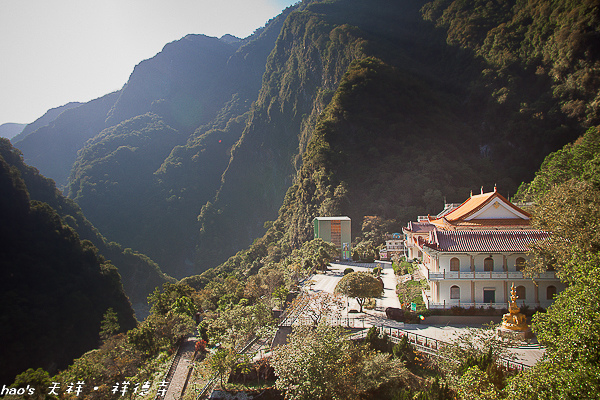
(489, 296)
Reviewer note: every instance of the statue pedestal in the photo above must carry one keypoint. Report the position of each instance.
(519, 335)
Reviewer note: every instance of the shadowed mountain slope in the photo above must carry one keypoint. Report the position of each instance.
(55, 287)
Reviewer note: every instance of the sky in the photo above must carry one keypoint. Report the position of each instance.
(56, 51)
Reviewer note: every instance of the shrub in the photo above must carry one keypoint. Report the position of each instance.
(457, 310)
(404, 351)
(403, 267)
(348, 270)
(201, 345)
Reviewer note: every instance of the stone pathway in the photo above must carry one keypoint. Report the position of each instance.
(181, 371)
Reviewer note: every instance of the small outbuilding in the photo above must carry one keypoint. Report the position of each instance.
(336, 230)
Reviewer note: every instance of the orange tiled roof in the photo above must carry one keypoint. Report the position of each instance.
(469, 206)
(456, 219)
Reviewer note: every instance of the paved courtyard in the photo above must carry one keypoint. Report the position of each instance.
(526, 354)
(326, 283)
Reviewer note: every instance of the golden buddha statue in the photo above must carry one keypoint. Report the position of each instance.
(514, 321)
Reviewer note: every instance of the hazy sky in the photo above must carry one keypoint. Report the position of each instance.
(56, 51)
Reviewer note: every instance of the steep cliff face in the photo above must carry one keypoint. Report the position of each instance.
(144, 180)
(304, 68)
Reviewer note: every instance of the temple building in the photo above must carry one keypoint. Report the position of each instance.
(472, 253)
(394, 246)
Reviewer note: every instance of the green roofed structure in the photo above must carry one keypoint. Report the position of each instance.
(335, 230)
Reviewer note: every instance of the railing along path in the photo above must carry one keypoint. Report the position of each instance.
(430, 345)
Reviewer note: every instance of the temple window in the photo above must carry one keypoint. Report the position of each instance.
(520, 264)
(454, 264)
(550, 292)
(454, 292)
(488, 264)
(521, 292)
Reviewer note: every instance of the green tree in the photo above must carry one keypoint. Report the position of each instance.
(475, 384)
(36, 379)
(571, 211)
(404, 351)
(162, 301)
(160, 332)
(319, 252)
(475, 348)
(280, 294)
(223, 362)
(109, 325)
(410, 291)
(360, 285)
(184, 305)
(569, 331)
(235, 326)
(320, 363)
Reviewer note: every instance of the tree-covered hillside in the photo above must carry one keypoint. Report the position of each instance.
(53, 148)
(139, 274)
(54, 287)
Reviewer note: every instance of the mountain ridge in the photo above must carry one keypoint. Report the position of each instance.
(213, 193)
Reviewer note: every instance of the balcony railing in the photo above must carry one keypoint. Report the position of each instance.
(447, 305)
(395, 248)
(484, 275)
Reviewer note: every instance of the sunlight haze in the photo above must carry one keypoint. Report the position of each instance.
(78, 50)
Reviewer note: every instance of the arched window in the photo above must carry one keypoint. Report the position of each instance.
(488, 264)
(520, 264)
(550, 292)
(521, 293)
(454, 264)
(454, 292)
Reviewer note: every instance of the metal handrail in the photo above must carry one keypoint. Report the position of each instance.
(158, 396)
(432, 345)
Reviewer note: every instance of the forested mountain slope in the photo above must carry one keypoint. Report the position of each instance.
(53, 148)
(566, 197)
(364, 108)
(139, 274)
(54, 287)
